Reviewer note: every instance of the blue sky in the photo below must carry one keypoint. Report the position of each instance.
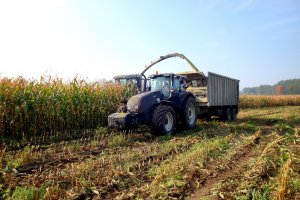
(257, 42)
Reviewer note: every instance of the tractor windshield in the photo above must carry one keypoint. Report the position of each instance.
(158, 83)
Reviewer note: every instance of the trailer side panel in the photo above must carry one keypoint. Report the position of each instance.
(222, 91)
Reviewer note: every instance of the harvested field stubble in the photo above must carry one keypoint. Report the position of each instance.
(256, 156)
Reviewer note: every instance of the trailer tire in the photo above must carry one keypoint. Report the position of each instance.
(208, 117)
(163, 120)
(189, 113)
(233, 114)
(228, 115)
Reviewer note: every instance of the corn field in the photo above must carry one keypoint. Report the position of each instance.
(30, 108)
(257, 101)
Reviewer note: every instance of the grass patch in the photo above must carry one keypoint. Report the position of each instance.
(117, 140)
(28, 193)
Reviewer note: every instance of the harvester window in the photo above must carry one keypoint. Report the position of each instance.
(127, 81)
(194, 83)
(123, 81)
(132, 81)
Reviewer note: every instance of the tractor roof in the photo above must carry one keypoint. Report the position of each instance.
(166, 75)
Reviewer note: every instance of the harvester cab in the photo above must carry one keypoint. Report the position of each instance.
(134, 81)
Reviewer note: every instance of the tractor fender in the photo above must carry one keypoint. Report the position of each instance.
(183, 97)
(168, 102)
(164, 102)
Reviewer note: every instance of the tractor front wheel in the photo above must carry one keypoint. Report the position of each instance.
(164, 120)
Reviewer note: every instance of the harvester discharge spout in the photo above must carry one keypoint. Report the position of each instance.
(161, 58)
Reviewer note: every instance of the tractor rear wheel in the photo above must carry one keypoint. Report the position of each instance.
(163, 120)
(189, 113)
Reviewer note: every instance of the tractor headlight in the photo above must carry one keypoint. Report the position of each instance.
(133, 108)
(129, 107)
(136, 107)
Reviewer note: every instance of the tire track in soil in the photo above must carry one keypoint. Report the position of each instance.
(234, 168)
(42, 168)
(61, 158)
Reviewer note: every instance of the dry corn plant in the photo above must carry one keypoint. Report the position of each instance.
(264, 162)
(268, 148)
(256, 101)
(282, 191)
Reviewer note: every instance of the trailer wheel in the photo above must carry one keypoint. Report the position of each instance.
(163, 120)
(228, 115)
(189, 113)
(208, 117)
(233, 114)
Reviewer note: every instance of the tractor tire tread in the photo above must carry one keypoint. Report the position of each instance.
(158, 119)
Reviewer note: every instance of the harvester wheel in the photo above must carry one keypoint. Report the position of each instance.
(189, 113)
(163, 120)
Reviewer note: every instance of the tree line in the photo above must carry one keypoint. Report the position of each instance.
(291, 86)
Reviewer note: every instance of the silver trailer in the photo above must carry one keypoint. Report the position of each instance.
(216, 95)
(222, 90)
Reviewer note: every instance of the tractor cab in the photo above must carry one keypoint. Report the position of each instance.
(168, 84)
